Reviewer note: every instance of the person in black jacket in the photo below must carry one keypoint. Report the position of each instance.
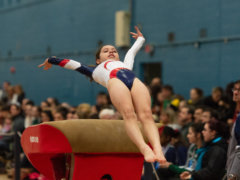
(211, 163)
(18, 118)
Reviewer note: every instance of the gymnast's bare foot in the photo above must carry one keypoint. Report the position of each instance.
(148, 154)
(159, 156)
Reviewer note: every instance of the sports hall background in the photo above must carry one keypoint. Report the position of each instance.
(196, 43)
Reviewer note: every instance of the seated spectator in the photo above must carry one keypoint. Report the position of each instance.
(169, 152)
(107, 114)
(157, 106)
(36, 115)
(46, 116)
(3, 92)
(17, 117)
(229, 104)
(28, 115)
(25, 101)
(45, 105)
(211, 163)
(19, 94)
(102, 101)
(167, 117)
(196, 97)
(66, 105)
(4, 112)
(7, 125)
(167, 146)
(72, 115)
(175, 102)
(182, 103)
(163, 99)
(53, 102)
(83, 111)
(208, 114)
(185, 119)
(181, 148)
(168, 149)
(235, 98)
(155, 87)
(198, 114)
(167, 93)
(10, 96)
(196, 142)
(60, 114)
(215, 100)
(5, 140)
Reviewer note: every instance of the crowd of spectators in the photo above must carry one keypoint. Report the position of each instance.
(202, 124)
(17, 112)
(191, 128)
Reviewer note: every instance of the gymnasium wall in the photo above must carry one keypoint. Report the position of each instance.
(204, 52)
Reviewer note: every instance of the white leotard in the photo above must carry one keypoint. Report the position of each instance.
(101, 73)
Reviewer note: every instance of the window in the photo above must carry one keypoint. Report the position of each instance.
(151, 70)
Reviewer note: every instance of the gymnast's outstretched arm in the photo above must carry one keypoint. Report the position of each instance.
(129, 58)
(68, 64)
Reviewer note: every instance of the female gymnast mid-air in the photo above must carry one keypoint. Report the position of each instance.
(128, 94)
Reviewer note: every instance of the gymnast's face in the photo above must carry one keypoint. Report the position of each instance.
(107, 52)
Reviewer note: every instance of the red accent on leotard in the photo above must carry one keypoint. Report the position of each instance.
(105, 65)
(113, 73)
(64, 62)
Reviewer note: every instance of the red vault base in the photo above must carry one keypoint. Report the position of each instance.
(50, 152)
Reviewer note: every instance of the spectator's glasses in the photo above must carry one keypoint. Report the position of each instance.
(235, 89)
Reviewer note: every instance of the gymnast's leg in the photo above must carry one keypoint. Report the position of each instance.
(142, 104)
(122, 100)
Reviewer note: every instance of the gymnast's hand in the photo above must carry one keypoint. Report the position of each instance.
(46, 65)
(136, 35)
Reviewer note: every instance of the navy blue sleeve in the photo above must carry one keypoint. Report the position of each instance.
(86, 70)
(54, 60)
(73, 65)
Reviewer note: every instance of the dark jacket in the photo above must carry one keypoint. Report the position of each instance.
(213, 161)
(18, 123)
(233, 162)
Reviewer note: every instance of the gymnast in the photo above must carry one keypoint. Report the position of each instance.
(128, 94)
